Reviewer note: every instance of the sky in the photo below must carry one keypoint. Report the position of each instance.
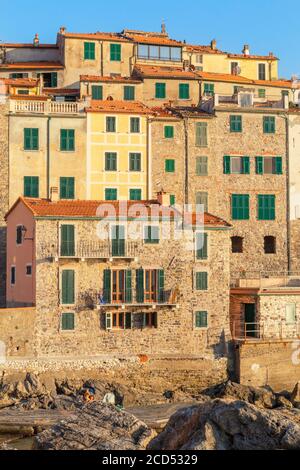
(268, 25)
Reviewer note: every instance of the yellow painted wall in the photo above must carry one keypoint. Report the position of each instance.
(122, 142)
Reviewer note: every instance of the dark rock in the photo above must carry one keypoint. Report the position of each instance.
(283, 402)
(260, 397)
(96, 427)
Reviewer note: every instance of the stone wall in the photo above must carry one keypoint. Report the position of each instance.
(17, 332)
(295, 245)
(4, 185)
(276, 364)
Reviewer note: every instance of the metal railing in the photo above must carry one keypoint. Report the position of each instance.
(90, 250)
(265, 331)
(45, 107)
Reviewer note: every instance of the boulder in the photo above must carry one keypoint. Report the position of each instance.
(96, 427)
(283, 402)
(260, 397)
(227, 424)
(295, 397)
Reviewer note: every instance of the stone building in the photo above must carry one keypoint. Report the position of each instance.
(4, 190)
(120, 294)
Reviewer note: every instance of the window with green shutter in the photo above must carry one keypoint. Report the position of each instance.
(53, 80)
(110, 161)
(202, 166)
(202, 246)
(135, 125)
(240, 206)
(129, 93)
(160, 90)
(67, 240)
(115, 52)
(111, 194)
(236, 165)
(172, 200)
(140, 282)
(202, 200)
(107, 286)
(128, 287)
(169, 132)
(68, 287)
(151, 235)
(31, 186)
(161, 286)
(97, 92)
(89, 51)
(269, 124)
(31, 139)
(67, 140)
(261, 93)
(110, 124)
(269, 166)
(135, 162)
(170, 166)
(67, 188)
(266, 207)
(118, 241)
(135, 194)
(201, 319)
(201, 134)
(68, 321)
(184, 91)
(202, 281)
(209, 89)
(236, 123)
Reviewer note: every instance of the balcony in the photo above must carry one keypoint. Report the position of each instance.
(243, 100)
(45, 107)
(131, 299)
(266, 331)
(99, 250)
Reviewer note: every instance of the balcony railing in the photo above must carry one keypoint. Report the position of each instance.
(45, 107)
(91, 250)
(266, 331)
(129, 298)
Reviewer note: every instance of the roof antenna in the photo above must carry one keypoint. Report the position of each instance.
(163, 27)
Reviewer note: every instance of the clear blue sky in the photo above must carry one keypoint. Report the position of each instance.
(269, 25)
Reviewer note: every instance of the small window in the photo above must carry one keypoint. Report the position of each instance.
(261, 93)
(67, 140)
(111, 194)
(236, 124)
(269, 166)
(97, 92)
(135, 195)
(202, 246)
(201, 134)
(19, 237)
(89, 51)
(129, 93)
(202, 200)
(68, 287)
(209, 89)
(266, 207)
(237, 244)
(68, 321)
(270, 245)
(201, 320)
(199, 59)
(169, 132)
(135, 125)
(202, 281)
(170, 166)
(67, 188)
(184, 91)
(261, 71)
(119, 321)
(13, 275)
(150, 320)
(110, 124)
(31, 186)
(234, 67)
(236, 165)
(23, 92)
(31, 139)
(269, 124)
(290, 313)
(110, 161)
(240, 207)
(151, 235)
(29, 270)
(172, 200)
(115, 52)
(135, 162)
(202, 166)
(160, 90)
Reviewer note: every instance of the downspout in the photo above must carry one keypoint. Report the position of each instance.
(186, 158)
(48, 157)
(102, 63)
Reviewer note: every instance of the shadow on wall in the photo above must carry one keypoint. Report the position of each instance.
(2, 267)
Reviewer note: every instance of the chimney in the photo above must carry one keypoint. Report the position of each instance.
(36, 40)
(54, 194)
(163, 198)
(163, 28)
(271, 54)
(62, 30)
(213, 44)
(246, 50)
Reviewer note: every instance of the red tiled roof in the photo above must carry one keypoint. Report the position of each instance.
(61, 91)
(223, 77)
(23, 82)
(154, 71)
(29, 97)
(97, 36)
(203, 49)
(156, 39)
(91, 209)
(131, 107)
(32, 65)
(251, 56)
(113, 79)
(27, 46)
(208, 50)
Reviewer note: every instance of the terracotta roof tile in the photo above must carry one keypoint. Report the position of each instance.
(90, 209)
(208, 50)
(32, 65)
(98, 36)
(28, 46)
(23, 82)
(113, 79)
(132, 107)
(222, 77)
(155, 39)
(61, 91)
(149, 71)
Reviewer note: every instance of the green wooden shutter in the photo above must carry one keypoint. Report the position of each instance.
(140, 286)
(67, 188)
(160, 90)
(67, 242)
(128, 321)
(54, 80)
(169, 132)
(240, 206)
(97, 92)
(31, 139)
(135, 194)
(202, 281)
(278, 165)
(161, 286)
(246, 165)
(201, 134)
(202, 246)
(170, 166)
(108, 321)
(259, 165)
(118, 241)
(89, 51)
(68, 321)
(115, 52)
(128, 286)
(201, 319)
(107, 286)
(227, 169)
(129, 93)
(172, 199)
(68, 287)
(184, 91)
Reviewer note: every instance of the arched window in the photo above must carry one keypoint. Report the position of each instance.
(270, 245)
(237, 244)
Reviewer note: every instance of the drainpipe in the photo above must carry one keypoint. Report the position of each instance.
(102, 63)
(48, 157)
(186, 158)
